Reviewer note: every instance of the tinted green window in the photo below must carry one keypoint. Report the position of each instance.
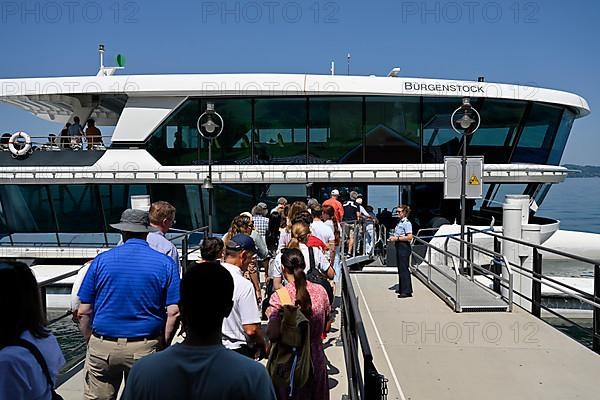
(77, 208)
(560, 141)
(499, 123)
(117, 198)
(280, 131)
(335, 130)
(231, 200)
(234, 145)
(177, 196)
(26, 208)
(538, 134)
(175, 142)
(439, 139)
(392, 133)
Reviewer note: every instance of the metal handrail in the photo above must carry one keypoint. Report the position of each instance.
(538, 279)
(471, 263)
(548, 281)
(537, 246)
(185, 251)
(42, 287)
(369, 383)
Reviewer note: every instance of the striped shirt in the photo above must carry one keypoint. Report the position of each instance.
(129, 288)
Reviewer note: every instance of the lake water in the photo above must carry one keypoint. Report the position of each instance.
(576, 203)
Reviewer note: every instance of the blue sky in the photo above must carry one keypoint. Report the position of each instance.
(548, 44)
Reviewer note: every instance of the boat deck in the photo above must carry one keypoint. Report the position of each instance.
(427, 351)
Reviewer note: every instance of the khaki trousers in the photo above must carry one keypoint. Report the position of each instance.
(108, 362)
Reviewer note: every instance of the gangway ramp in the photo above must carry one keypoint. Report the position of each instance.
(430, 352)
(472, 296)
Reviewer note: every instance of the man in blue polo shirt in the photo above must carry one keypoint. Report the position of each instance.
(132, 292)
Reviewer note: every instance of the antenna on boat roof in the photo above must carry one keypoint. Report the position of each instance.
(348, 59)
(332, 68)
(108, 71)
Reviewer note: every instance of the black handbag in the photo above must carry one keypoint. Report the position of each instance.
(315, 276)
(40, 359)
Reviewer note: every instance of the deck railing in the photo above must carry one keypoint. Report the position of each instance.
(364, 381)
(538, 278)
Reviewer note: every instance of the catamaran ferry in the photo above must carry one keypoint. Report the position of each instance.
(288, 135)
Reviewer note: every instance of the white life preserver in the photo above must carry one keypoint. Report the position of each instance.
(25, 149)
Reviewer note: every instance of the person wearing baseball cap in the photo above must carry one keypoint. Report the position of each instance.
(241, 329)
(334, 202)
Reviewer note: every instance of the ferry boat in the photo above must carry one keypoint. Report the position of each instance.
(291, 135)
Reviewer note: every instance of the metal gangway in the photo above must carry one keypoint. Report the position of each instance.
(453, 277)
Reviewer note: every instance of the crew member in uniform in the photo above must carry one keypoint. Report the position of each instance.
(402, 238)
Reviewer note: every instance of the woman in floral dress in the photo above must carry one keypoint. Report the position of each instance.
(314, 303)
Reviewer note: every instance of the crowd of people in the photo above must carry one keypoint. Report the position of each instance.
(197, 331)
(74, 134)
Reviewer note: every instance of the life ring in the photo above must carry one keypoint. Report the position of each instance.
(22, 151)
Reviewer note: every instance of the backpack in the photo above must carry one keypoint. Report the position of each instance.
(290, 363)
(350, 210)
(316, 276)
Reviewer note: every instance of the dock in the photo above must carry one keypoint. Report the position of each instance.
(427, 351)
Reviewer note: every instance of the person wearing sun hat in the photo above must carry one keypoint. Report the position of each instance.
(132, 292)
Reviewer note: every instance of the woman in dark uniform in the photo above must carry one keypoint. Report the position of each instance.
(402, 238)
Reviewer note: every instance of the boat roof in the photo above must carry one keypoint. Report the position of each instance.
(55, 98)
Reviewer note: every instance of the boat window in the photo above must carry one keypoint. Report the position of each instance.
(234, 145)
(499, 192)
(27, 209)
(280, 131)
(499, 123)
(175, 141)
(77, 209)
(439, 139)
(560, 141)
(538, 134)
(336, 126)
(392, 131)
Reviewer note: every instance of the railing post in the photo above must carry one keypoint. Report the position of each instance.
(446, 251)
(596, 314)
(184, 254)
(470, 252)
(428, 250)
(44, 303)
(497, 248)
(536, 287)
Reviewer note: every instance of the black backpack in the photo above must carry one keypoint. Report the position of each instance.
(350, 210)
(316, 276)
(40, 359)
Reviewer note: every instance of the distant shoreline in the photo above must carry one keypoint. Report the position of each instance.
(586, 171)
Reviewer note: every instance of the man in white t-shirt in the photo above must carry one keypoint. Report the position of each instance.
(200, 367)
(319, 229)
(241, 329)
